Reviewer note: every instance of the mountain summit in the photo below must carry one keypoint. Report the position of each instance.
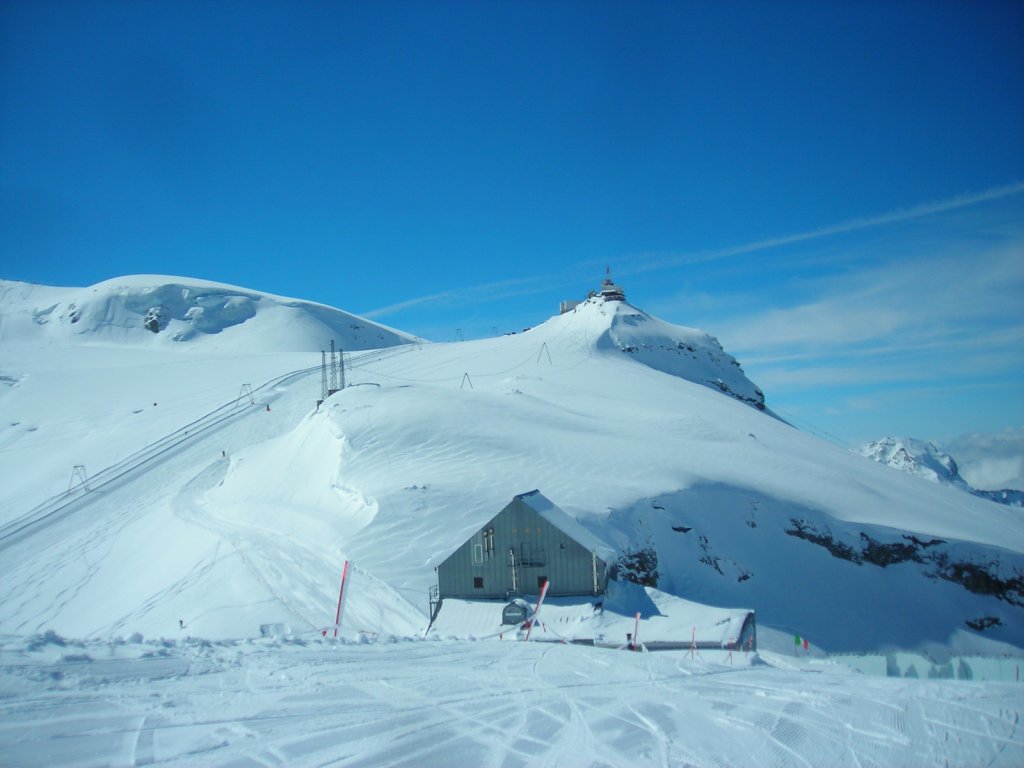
(688, 353)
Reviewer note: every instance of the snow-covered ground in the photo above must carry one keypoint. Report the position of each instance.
(417, 703)
(214, 517)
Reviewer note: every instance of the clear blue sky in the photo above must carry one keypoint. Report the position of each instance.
(835, 190)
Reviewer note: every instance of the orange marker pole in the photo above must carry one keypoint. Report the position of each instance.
(341, 592)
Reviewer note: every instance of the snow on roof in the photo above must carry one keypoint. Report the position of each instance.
(561, 519)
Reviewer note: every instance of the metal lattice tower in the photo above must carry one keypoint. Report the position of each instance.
(334, 370)
(341, 367)
(323, 375)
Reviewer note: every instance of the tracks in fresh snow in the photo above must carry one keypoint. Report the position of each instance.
(485, 704)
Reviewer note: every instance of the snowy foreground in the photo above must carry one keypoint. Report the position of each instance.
(424, 703)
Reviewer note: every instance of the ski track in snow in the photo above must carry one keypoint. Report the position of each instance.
(480, 704)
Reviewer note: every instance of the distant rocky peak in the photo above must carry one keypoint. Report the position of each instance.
(927, 460)
(918, 457)
(915, 456)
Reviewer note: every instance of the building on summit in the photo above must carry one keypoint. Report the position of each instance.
(609, 291)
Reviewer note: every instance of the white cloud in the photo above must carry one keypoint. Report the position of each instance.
(961, 302)
(990, 461)
(650, 262)
(966, 343)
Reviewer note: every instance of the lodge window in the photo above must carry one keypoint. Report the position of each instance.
(531, 553)
(478, 582)
(489, 542)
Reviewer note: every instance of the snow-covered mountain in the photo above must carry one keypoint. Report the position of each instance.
(927, 460)
(224, 512)
(688, 353)
(152, 310)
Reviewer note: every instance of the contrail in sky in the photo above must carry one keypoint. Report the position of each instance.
(479, 293)
(853, 225)
(501, 289)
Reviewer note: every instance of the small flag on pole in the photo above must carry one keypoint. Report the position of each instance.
(807, 645)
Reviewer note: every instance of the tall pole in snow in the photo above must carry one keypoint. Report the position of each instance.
(341, 592)
(323, 375)
(636, 632)
(334, 369)
(536, 611)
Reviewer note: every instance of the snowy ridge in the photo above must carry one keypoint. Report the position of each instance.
(148, 309)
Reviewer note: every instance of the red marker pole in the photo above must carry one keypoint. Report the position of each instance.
(536, 611)
(341, 592)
